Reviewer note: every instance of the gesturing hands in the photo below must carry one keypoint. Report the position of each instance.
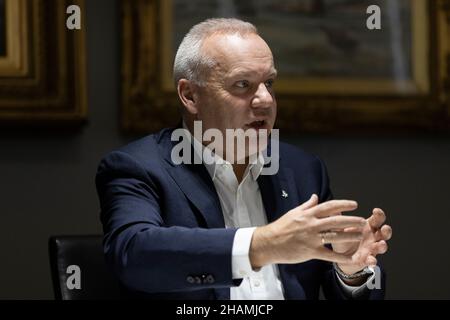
(374, 236)
(301, 233)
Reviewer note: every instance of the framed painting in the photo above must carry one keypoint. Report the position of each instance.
(334, 73)
(42, 64)
(2, 29)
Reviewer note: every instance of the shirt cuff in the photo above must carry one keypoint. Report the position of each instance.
(353, 291)
(240, 258)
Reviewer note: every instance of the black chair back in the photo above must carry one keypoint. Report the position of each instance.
(78, 268)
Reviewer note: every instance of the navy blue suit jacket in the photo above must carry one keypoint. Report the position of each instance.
(164, 232)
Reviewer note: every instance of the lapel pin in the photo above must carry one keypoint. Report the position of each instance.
(284, 194)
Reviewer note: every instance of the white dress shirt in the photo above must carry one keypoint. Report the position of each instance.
(242, 208)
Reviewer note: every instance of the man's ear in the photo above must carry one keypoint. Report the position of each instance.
(187, 93)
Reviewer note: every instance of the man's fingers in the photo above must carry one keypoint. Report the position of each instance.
(377, 218)
(333, 207)
(371, 261)
(379, 247)
(313, 201)
(340, 222)
(329, 255)
(353, 229)
(385, 233)
(339, 237)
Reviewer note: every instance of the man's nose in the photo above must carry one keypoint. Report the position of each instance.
(263, 98)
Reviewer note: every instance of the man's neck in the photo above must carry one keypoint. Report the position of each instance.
(239, 171)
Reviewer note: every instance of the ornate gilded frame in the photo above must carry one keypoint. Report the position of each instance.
(43, 75)
(147, 105)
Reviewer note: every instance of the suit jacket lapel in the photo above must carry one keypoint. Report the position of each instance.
(196, 184)
(279, 194)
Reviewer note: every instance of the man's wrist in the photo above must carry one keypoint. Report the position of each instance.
(240, 261)
(357, 278)
(259, 248)
(348, 269)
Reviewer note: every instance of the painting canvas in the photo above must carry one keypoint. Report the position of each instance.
(334, 74)
(324, 46)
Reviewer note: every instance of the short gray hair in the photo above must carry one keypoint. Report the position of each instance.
(189, 62)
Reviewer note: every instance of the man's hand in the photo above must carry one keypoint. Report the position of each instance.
(297, 236)
(374, 236)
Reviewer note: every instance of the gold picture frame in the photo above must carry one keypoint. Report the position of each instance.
(308, 104)
(43, 70)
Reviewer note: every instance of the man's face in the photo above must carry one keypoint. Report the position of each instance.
(239, 93)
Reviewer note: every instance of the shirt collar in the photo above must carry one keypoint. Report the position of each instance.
(213, 162)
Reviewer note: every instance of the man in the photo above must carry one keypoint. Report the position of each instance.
(221, 229)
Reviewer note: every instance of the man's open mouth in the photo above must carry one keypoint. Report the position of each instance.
(257, 124)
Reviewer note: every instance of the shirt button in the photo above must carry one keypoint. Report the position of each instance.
(190, 279)
(257, 283)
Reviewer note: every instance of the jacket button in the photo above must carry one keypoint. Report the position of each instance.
(209, 279)
(198, 280)
(190, 279)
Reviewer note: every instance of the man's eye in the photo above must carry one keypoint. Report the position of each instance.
(269, 83)
(242, 84)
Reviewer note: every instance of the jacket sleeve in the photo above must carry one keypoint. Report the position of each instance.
(332, 289)
(144, 253)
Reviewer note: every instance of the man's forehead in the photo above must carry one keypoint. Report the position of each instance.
(235, 44)
(248, 71)
(237, 53)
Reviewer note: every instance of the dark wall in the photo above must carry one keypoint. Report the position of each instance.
(47, 183)
(409, 178)
(47, 178)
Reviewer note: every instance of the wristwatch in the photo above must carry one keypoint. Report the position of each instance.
(364, 272)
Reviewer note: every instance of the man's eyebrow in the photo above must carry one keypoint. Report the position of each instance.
(239, 73)
(273, 72)
(244, 73)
